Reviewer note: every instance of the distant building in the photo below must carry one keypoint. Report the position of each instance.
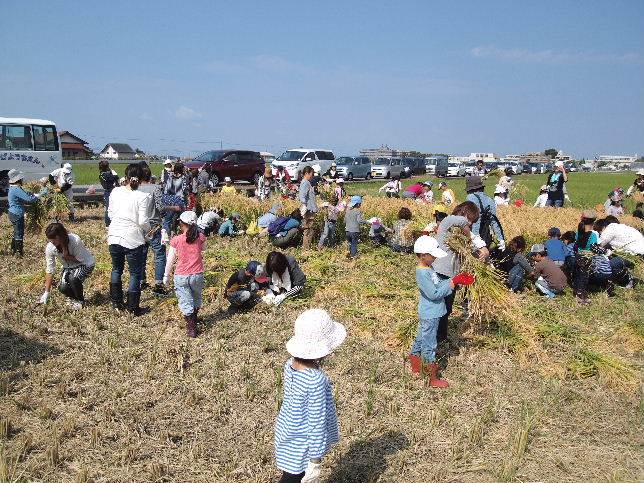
(383, 151)
(460, 159)
(617, 159)
(536, 157)
(73, 147)
(117, 151)
(486, 157)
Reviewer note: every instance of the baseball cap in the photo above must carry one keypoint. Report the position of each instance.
(427, 245)
(257, 269)
(543, 188)
(188, 217)
(428, 183)
(537, 248)
(227, 179)
(355, 200)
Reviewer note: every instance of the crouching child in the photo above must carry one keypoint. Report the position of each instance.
(244, 286)
(550, 279)
(431, 307)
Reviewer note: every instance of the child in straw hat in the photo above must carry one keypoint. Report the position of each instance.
(307, 424)
(431, 307)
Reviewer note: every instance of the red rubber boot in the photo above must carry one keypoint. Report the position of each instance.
(434, 381)
(415, 363)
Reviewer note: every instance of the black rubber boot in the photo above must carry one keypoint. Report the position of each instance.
(116, 296)
(133, 302)
(13, 246)
(77, 289)
(19, 247)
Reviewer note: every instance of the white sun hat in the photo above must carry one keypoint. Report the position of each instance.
(15, 175)
(315, 335)
(167, 162)
(67, 167)
(640, 172)
(428, 245)
(559, 164)
(188, 217)
(227, 179)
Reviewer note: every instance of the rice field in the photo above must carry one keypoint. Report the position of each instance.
(97, 396)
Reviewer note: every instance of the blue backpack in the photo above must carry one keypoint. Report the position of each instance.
(277, 225)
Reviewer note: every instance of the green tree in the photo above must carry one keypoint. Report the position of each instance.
(551, 152)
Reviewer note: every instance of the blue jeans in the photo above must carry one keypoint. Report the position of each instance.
(515, 277)
(18, 222)
(169, 220)
(328, 234)
(135, 264)
(544, 288)
(159, 250)
(189, 289)
(352, 238)
(555, 203)
(425, 342)
(106, 199)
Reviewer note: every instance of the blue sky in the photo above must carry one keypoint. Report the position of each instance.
(178, 77)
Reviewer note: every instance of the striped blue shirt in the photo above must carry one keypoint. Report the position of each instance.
(307, 424)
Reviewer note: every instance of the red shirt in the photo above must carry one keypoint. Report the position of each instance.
(189, 255)
(417, 189)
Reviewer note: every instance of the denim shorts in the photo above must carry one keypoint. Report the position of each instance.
(189, 289)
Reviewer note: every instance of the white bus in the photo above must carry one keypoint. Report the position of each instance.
(30, 145)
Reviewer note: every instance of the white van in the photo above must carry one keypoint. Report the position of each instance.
(30, 145)
(295, 160)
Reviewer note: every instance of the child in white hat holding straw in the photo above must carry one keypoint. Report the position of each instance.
(307, 424)
(187, 250)
(431, 307)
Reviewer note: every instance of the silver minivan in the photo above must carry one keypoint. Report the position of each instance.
(354, 167)
(387, 168)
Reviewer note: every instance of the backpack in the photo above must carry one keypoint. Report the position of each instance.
(486, 218)
(277, 225)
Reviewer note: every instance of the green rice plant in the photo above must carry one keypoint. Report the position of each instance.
(586, 362)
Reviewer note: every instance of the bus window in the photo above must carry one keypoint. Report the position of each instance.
(16, 138)
(45, 138)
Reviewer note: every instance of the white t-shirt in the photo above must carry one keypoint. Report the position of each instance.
(207, 219)
(541, 200)
(501, 201)
(129, 217)
(623, 237)
(75, 247)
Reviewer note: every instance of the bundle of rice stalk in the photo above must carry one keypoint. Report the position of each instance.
(488, 299)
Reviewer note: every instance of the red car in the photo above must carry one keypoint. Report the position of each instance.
(238, 165)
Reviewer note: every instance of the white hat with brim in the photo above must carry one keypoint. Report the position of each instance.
(316, 335)
(428, 245)
(67, 168)
(15, 175)
(640, 172)
(227, 179)
(559, 164)
(167, 162)
(188, 217)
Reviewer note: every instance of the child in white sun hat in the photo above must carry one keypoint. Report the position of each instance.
(431, 307)
(187, 250)
(307, 424)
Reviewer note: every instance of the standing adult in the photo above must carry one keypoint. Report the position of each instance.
(109, 180)
(479, 169)
(203, 178)
(463, 216)
(487, 222)
(153, 237)
(175, 193)
(17, 198)
(265, 184)
(76, 260)
(308, 206)
(638, 185)
(556, 185)
(167, 171)
(63, 178)
(130, 222)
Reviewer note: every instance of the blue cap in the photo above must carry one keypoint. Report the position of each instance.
(355, 200)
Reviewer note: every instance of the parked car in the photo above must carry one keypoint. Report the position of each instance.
(491, 166)
(469, 167)
(295, 160)
(455, 169)
(442, 165)
(571, 167)
(413, 166)
(239, 165)
(430, 165)
(354, 167)
(515, 166)
(528, 168)
(386, 168)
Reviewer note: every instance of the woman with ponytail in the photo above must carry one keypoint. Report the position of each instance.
(129, 223)
(187, 249)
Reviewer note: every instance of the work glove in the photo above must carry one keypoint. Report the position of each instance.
(501, 245)
(312, 473)
(463, 278)
(303, 210)
(268, 298)
(44, 297)
(279, 299)
(165, 280)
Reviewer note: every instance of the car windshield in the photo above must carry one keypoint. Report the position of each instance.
(382, 162)
(454, 165)
(344, 160)
(290, 156)
(209, 156)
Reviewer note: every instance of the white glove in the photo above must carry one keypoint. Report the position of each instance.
(303, 210)
(312, 473)
(279, 299)
(567, 197)
(44, 297)
(268, 298)
(501, 245)
(114, 173)
(165, 280)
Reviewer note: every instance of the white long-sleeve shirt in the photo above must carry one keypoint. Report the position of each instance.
(541, 200)
(76, 248)
(129, 217)
(623, 237)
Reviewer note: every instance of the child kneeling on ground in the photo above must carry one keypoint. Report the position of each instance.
(285, 278)
(307, 423)
(187, 249)
(431, 307)
(243, 285)
(550, 279)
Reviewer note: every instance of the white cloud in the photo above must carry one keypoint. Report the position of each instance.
(552, 56)
(185, 113)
